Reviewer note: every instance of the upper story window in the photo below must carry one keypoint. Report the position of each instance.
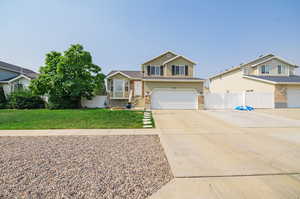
(155, 70)
(265, 69)
(180, 70)
(281, 69)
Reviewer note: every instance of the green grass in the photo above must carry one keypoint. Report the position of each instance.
(70, 119)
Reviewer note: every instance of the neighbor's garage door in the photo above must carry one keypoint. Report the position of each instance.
(173, 99)
(293, 96)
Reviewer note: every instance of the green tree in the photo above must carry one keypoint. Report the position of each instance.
(68, 77)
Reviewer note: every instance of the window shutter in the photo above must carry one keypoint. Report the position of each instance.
(173, 70)
(148, 70)
(186, 70)
(161, 70)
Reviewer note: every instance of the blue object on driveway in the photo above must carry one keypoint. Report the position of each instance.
(244, 108)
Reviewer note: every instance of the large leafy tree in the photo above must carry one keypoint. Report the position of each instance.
(68, 77)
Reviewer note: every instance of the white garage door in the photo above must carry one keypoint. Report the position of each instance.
(293, 96)
(173, 99)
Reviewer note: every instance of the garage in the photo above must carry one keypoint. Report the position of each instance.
(293, 97)
(174, 99)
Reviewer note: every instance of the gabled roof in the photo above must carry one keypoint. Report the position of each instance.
(18, 70)
(177, 57)
(127, 73)
(275, 57)
(264, 58)
(159, 56)
(292, 79)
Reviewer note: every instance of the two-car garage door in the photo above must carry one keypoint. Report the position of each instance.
(293, 96)
(174, 99)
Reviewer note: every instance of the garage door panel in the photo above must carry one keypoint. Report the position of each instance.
(293, 96)
(174, 99)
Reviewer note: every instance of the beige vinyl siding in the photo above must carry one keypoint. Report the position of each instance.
(198, 86)
(157, 62)
(234, 82)
(274, 68)
(179, 62)
(168, 67)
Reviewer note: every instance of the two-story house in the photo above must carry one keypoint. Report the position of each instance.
(266, 74)
(14, 77)
(165, 82)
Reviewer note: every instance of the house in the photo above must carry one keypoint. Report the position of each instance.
(14, 77)
(269, 76)
(164, 82)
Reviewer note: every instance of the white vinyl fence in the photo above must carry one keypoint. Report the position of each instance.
(231, 100)
(97, 102)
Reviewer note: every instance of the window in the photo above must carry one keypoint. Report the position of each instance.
(155, 70)
(179, 70)
(265, 69)
(281, 69)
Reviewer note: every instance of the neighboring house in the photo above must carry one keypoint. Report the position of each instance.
(164, 82)
(13, 77)
(268, 74)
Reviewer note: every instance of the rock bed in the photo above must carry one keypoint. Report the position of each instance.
(82, 167)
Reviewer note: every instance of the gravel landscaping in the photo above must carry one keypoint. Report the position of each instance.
(82, 167)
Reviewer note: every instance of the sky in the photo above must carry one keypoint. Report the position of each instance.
(122, 34)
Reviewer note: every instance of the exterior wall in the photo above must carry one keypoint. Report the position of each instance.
(233, 82)
(274, 71)
(281, 99)
(280, 96)
(157, 62)
(7, 87)
(181, 62)
(149, 86)
(168, 67)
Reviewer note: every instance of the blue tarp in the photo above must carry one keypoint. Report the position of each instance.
(244, 108)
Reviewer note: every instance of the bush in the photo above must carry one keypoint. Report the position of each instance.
(3, 101)
(25, 100)
(62, 103)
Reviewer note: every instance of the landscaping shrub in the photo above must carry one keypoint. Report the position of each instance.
(25, 100)
(3, 101)
(62, 103)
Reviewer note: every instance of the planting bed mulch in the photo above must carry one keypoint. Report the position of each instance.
(82, 167)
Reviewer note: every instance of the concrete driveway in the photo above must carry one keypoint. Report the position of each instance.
(255, 119)
(213, 158)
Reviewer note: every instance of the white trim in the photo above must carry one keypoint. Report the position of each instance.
(172, 80)
(178, 56)
(159, 56)
(16, 78)
(275, 57)
(227, 71)
(117, 72)
(263, 80)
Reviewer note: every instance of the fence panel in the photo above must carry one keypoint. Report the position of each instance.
(231, 100)
(96, 102)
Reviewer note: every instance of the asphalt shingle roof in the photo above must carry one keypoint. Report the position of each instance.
(17, 70)
(291, 78)
(130, 73)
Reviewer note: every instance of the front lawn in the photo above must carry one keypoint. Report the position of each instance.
(70, 119)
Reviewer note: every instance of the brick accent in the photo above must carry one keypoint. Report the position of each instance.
(280, 96)
(200, 102)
